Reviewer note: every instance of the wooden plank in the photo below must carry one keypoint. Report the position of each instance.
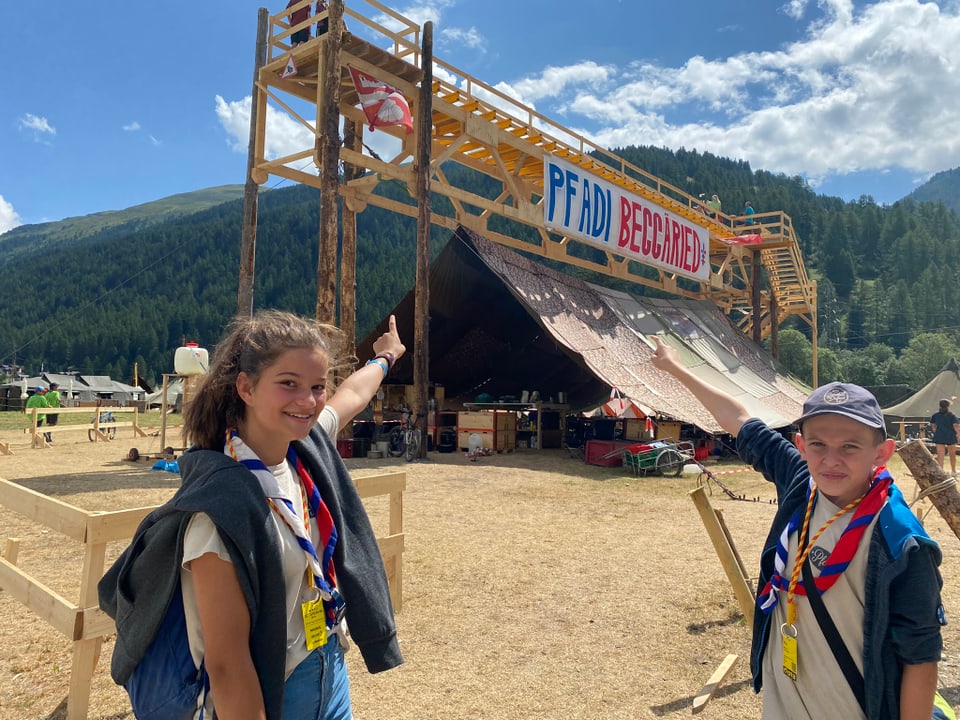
(85, 656)
(11, 550)
(382, 484)
(93, 623)
(115, 526)
(391, 549)
(703, 697)
(38, 598)
(726, 553)
(54, 514)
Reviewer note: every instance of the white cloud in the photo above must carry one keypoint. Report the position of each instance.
(470, 38)
(284, 135)
(866, 89)
(37, 125)
(9, 219)
(154, 141)
(132, 127)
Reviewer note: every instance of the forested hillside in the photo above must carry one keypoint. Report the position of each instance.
(98, 296)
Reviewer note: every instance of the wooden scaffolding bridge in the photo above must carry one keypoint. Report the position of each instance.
(755, 268)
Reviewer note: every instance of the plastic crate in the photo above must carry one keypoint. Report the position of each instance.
(605, 453)
(345, 448)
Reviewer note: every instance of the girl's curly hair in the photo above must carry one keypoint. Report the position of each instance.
(250, 345)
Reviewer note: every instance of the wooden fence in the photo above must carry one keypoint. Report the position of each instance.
(102, 427)
(83, 621)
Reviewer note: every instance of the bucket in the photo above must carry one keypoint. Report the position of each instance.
(191, 359)
(384, 447)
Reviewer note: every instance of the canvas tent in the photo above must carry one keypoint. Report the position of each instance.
(501, 323)
(173, 399)
(925, 402)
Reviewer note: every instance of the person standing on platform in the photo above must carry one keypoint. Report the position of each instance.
(296, 17)
(714, 204)
(749, 212)
(324, 23)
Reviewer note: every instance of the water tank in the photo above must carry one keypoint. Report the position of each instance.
(191, 359)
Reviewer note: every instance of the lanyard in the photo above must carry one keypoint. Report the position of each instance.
(804, 546)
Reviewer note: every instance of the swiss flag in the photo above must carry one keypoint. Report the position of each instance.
(383, 104)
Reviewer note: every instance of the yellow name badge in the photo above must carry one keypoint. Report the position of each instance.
(314, 623)
(789, 634)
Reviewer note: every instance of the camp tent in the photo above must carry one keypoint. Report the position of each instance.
(502, 323)
(925, 402)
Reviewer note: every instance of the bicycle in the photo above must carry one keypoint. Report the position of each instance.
(405, 439)
(106, 418)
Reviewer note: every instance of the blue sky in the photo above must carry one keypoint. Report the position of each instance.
(111, 104)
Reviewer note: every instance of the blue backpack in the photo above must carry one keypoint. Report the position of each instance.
(165, 684)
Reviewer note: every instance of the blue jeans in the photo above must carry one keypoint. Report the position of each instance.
(318, 689)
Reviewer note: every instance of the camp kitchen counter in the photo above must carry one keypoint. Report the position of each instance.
(494, 421)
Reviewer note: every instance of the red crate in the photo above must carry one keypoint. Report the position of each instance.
(345, 448)
(606, 453)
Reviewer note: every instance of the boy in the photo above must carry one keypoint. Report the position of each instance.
(862, 544)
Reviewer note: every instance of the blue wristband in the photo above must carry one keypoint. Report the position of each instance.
(381, 362)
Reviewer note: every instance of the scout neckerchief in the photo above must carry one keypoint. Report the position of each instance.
(867, 506)
(322, 573)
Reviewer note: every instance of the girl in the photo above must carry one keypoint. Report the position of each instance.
(945, 427)
(273, 549)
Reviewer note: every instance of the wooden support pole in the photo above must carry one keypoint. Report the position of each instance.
(11, 550)
(348, 260)
(756, 275)
(421, 330)
(328, 123)
(813, 336)
(774, 327)
(248, 232)
(719, 675)
(728, 556)
(925, 470)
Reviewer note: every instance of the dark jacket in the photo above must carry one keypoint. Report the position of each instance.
(902, 612)
(137, 589)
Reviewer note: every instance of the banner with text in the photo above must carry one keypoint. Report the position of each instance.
(582, 206)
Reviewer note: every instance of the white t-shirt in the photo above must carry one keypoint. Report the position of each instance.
(201, 537)
(329, 421)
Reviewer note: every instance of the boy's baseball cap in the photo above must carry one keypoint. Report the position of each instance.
(39, 388)
(845, 399)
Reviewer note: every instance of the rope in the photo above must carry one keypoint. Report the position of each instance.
(942, 485)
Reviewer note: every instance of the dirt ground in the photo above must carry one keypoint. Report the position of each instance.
(534, 586)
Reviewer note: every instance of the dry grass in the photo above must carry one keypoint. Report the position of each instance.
(535, 586)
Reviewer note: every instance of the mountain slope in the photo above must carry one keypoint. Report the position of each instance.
(20, 243)
(101, 293)
(944, 187)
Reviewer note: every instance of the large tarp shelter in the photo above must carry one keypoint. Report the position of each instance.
(925, 402)
(501, 323)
